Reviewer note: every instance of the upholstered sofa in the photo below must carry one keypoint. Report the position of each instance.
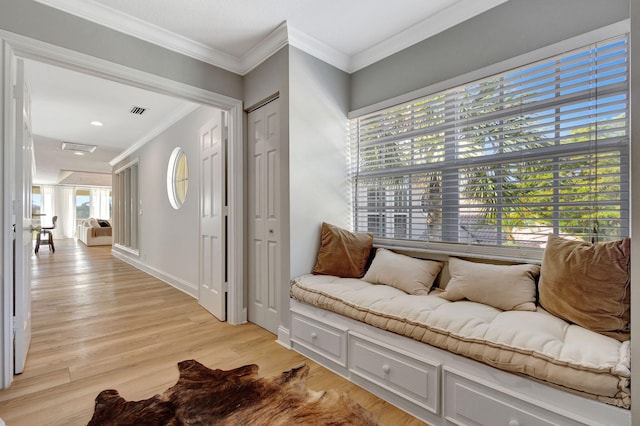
(95, 232)
(474, 341)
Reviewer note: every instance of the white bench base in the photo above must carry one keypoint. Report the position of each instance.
(432, 384)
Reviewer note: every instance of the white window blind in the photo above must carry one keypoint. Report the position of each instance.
(505, 160)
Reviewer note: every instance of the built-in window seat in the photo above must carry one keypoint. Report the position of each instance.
(446, 355)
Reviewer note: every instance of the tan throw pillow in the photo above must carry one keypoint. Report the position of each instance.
(588, 284)
(342, 253)
(411, 275)
(506, 287)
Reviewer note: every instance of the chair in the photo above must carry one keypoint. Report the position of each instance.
(46, 232)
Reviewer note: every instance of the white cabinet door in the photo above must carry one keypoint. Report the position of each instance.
(264, 216)
(212, 286)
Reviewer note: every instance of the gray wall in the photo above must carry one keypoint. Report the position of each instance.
(506, 31)
(168, 238)
(269, 79)
(313, 127)
(35, 20)
(318, 165)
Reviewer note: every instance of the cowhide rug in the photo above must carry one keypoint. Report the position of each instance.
(236, 397)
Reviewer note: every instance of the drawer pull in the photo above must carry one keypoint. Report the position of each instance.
(386, 369)
(514, 422)
(314, 336)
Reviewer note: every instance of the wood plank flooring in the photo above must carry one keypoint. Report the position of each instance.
(99, 323)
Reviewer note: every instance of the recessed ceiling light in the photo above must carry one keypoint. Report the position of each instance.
(96, 123)
(78, 153)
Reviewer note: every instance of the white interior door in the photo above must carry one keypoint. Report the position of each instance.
(22, 210)
(265, 270)
(212, 286)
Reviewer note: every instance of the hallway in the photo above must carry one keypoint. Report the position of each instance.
(99, 323)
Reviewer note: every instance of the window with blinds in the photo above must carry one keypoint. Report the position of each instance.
(505, 160)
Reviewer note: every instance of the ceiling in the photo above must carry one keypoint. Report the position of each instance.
(236, 35)
(63, 105)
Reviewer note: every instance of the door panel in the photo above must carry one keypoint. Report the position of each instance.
(212, 287)
(265, 271)
(22, 209)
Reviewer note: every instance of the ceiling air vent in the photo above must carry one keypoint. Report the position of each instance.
(137, 110)
(77, 147)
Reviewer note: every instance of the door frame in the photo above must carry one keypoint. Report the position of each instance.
(28, 48)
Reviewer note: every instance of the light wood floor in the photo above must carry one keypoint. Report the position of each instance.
(99, 323)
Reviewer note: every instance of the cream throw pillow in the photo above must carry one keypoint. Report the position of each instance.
(506, 287)
(411, 275)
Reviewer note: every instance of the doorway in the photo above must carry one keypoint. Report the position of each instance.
(40, 51)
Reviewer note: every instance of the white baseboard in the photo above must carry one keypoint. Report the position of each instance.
(284, 337)
(190, 289)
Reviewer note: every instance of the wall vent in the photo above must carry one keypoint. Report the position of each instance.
(137, 110)
(77, 147)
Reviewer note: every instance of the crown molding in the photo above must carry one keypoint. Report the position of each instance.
(179, 114)
(441, 21)
(275, 41)
(280, 37)
(319, 50)
(143, 30)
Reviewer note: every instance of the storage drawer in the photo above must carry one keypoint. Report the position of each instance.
(470, 403)
(401, 373)
(321, 338)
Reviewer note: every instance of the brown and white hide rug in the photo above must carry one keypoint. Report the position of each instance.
(236, 397)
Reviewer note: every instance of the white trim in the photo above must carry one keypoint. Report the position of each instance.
(176, 282)
(177, 116)
(441, 21)
(29, 48)
(171, 177)
(125, 249)
(143, 30)
(599, 34)
(236, 309)
(284, 337)
(275, 41)
(126, 166)
(506, 254)
(6, 293)
(316, 48)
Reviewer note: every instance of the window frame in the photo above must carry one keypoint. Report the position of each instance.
(177, 177)
(511, 253)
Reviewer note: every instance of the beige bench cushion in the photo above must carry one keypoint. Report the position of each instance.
(536, 344)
